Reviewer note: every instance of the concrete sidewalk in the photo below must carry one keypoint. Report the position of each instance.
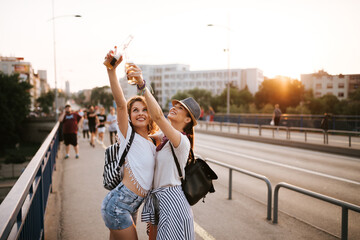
(73, 210)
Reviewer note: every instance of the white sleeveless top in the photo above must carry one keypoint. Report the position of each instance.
(166, 173)
(140, 159)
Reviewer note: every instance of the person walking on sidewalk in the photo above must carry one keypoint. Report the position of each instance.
(277, 115)
(71, 122)
(101, 127)
(85, 127)
(120, 206)
(93, 121)
(111, 119)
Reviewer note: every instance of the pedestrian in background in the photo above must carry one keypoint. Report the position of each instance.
(111, 119)
(93, 121)
(85, 127)
(276, 115)
(101, 127)
(325, 122)
(71, 122)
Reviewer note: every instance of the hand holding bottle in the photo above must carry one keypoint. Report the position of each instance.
(134, 74)
(113, 59)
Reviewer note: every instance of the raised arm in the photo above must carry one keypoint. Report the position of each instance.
(155, 110)
(122, 114)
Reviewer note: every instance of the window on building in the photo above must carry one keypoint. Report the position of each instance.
(318, 86)
(340, 94)
(234, 74)
(329, 85)
(317, 94)
(341, 85)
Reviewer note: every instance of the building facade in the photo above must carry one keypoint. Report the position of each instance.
(323, 83)
(168, 79)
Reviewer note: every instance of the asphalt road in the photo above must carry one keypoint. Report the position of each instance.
(332, 175)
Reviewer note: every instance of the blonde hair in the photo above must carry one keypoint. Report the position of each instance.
(152, 127)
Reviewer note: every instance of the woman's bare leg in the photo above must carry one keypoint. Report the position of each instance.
(124, 234)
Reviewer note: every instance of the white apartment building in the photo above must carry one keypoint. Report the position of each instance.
(323, 83)
(171, 78)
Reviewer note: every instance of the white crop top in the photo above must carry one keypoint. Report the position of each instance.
(140, 159)
(166, 173)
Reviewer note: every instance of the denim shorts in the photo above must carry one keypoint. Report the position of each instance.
(119, 208)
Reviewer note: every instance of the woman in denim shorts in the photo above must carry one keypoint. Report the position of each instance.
(120, 206)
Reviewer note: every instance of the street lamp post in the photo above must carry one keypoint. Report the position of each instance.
(56, 90)
(228, 64)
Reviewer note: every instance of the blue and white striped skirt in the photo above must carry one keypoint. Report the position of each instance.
(170, 211)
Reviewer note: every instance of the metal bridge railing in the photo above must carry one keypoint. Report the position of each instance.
(23, 209)
(243, 171)
(344, 205)
(222, 126)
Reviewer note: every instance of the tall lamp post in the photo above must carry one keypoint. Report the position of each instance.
(56, 90)
(228, 64)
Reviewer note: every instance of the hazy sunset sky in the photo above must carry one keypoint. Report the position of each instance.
(280, 37)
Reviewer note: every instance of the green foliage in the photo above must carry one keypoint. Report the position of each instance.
(14, 107)
(103, 96)
(80, 99)
(299, 109)
(268, 108)
(283, 91)
(202, 96)
(355, 96)
(46, 101)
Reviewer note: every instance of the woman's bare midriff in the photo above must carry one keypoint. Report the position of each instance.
(130, 184)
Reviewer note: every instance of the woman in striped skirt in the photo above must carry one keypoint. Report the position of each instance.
(166, 208)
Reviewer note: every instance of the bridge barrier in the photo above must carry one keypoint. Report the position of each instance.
(288, 130)
(23, 209)
(344, 205)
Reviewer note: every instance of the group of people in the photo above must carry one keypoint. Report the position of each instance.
(150, 175)
(91, 121)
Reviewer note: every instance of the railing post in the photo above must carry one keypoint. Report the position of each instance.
(287, 133)
(349, 140)
(305, 136)
(260, 130)
(344, 223)
(273, 130)
(276, 197)
(230, 183)
(221, 123)
(238, 128)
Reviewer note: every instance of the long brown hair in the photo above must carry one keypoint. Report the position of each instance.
(190, 133)
(152, 127)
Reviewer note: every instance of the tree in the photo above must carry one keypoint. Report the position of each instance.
(46, 101)
(14, 107)
(283, 91)
(202, 96)
(103, 96)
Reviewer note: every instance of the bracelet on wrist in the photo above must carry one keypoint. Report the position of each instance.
(142, 91)
(143, 86)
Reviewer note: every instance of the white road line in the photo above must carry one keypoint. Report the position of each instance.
(202, 233)
(280, 164)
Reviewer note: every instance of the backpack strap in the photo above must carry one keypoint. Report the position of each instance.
(127, 148)
(177, 163)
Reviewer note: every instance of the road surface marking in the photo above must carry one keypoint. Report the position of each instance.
(202, 233)
(281, 164)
